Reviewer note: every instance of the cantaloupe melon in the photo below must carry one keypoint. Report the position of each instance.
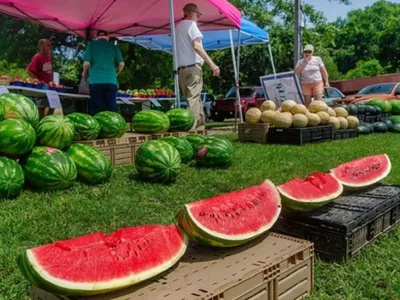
(343, 123)
(324, 117)
(353, 122)
(317, 106)
(335, 122)
(313, 120)
(268, 116)
(283, 120)
(331, 112)
(341, 112)
(253, 115)
(288, 105)
(300, 120)
(299, 109)
(268, 105)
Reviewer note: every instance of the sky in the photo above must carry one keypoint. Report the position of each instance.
(332, 9)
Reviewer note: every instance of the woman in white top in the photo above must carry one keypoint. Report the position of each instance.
(313, 74)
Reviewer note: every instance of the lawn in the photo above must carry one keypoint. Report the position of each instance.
(40, 218)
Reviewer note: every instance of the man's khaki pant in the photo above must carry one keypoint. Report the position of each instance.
(191, 84)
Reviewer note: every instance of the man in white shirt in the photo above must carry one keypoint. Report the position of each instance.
(191, 56)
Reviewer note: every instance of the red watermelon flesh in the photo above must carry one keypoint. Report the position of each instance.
(233, 218)
(363, 172)
(310, 193)
(98, 263)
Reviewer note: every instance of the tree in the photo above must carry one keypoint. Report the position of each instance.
(366, 69)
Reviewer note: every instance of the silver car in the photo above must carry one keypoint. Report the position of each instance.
(206, 98)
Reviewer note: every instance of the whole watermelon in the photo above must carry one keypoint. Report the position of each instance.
(15, 106)
(180, 119)
(49, 168)
(17, 137)
(92, 165)
(86, 127)
(11, 178)
(196, 141)
(395, 107)
(183, 146)
(158, 161)
(222, 141)
(55, 131)
(150, 121)
(215, 153)
(112, 124)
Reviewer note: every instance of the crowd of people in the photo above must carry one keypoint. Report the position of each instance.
(103, 62)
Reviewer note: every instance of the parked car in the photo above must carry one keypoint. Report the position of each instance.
(381, 91)
(251, 96)
(206, 98)
(331, 94)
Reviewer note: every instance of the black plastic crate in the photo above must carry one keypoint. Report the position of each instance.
(346, 134)
(340, 229)
(300, 136)
(361, 118)
(370, 119)
(386, 115)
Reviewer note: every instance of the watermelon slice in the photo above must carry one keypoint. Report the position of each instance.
(98, 263)
(232, 219)
(363, 172)
(310, 193)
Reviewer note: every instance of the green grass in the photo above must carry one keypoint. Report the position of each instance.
(40, 218)
(215, 125)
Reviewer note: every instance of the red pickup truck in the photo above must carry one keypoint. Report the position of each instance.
(251, 96)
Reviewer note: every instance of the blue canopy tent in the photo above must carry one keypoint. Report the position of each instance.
(248, 34)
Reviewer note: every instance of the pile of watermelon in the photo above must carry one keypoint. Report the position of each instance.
(40, 153)
(154, 121)
(160, 160)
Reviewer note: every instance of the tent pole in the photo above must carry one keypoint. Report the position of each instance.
(238, 75)
(273, 69)
(236, 82)
(174, 55)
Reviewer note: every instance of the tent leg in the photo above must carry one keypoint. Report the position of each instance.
(274, 71)
(174, 55)
(237, 102)
(238, 76)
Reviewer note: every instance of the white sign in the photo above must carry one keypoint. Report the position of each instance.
(56, 78)
(155, 102)
(281, 87)
(125, 100)
(54, 99)
(3, 90)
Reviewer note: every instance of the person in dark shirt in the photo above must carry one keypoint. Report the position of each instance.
(41, 65)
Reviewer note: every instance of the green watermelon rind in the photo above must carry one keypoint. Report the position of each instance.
(17, 137)
(32, 271)
(180, 119)
(12, 178)
(150, 121)
(16, 106)
(196, 141)
(214, 239)
(86, 127)
(182, 145)
(219, 153)
(363, 185)
(93, 167)
(112, 125)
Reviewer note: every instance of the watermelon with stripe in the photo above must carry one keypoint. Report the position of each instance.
(86, 127)
(196, 141)
(49, 168)
(17, 137)
(150, 121)
(180, 119)
(183, 146)
(11, 178)
(158, 161)
(55, 131)
(215, 153)
(15, 106)
(222, 140)
(92, 165)
(112, 124)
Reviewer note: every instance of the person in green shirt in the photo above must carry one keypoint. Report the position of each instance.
(102, 63)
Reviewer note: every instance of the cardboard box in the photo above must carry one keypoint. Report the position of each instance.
(270, 268)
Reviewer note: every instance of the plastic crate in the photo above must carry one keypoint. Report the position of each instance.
(253, 132)
(386, 115)
(300, 136)
(346, 134)
(340, 229)
(361, 118)
(270, 268)
(370, 119)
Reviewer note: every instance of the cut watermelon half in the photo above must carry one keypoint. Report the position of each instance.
(363, 172)
(98, 263)
(234, 218)
(307, 194)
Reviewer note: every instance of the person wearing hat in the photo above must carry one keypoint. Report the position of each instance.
(313, 75)
(190, 57)
(102, 63)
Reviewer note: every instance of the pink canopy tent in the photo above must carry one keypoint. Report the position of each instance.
(121, 17)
